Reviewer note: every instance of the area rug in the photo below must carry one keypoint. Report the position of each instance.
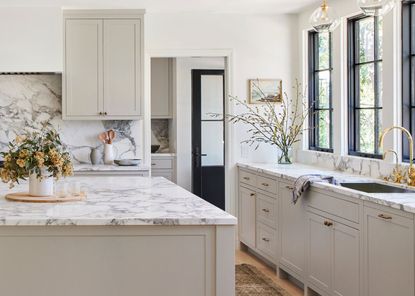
(251, 282)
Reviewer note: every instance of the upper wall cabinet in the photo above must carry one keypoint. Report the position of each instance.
(161, 87)
(103, 61)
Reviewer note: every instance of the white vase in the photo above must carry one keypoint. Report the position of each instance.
(40, 187)
(109, 154)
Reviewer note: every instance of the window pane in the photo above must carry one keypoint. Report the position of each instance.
(323, 51)
(212, 96)
(380, 38)
(323, 129)
(367, 85)
(379, 84)
(323, 89)
(366, 119)
(212, 143)
(366, 39)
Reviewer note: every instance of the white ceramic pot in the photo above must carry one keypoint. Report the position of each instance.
(40, 187)
(109, 154)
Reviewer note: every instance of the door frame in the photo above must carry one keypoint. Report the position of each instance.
(227, 54)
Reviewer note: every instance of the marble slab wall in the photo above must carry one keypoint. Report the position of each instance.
(28, 100)
(160, 134)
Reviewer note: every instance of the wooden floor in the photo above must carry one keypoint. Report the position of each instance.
(247, 258)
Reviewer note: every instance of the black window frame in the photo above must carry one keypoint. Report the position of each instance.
(408, 80)
(313, 55)
(354, 91)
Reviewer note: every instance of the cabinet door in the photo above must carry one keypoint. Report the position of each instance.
(83, 62)
(247, 223)
(319, 251)
(389, 254)
(292, 226)
(346, 258)
(161, 88)
(122, 67)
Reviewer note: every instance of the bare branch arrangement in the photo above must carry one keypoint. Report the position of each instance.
(279, 125)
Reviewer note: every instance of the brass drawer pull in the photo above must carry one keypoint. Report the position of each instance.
(289, 187)
(328, 223)
(246, 178)
(265, 210)
(265, 184)
(265, 239)
(252, 194)
(153, 164)
(386, 217)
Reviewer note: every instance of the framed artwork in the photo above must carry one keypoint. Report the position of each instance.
(265, 90)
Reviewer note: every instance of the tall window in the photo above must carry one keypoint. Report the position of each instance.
(365, 85)
(408, 71)
(320, 94)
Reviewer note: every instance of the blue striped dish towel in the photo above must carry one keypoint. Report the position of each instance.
(303, 183)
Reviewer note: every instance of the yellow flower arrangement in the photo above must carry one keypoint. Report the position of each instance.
(33, 153)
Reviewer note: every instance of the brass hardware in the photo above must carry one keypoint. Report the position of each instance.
(105, 113)
(252, 194)
(397, 174)
(265, 184)
(411, 171)
(100, 113)
(246, 178)
(328, 223)
(265, 239)
(386, 217)
(289, 187)
(153, 164)
(265, 210)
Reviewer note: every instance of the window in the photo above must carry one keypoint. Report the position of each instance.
(408, 71)
(320, 94)
(365, 85)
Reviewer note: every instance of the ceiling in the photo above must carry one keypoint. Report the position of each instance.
(168, 6)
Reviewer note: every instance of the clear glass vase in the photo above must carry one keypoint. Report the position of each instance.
(285, 156)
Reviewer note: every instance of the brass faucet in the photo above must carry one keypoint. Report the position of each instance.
(411, 171)
(397, 175)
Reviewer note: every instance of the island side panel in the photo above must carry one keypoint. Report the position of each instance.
(117, 260)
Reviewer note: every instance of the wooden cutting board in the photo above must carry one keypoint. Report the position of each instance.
(25, 197)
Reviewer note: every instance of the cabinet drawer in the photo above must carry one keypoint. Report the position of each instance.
(161, 163)
(247, 178)
(267, 241)
(266, 210)
(168, 174)
(335, 206)
(266, 184)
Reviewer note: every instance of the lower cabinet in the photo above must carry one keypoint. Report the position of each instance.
(333, 256)
(247, 223)
(292, 229)
(389, 253)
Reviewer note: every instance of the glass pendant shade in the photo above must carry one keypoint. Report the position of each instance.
(376, 7)
(324, 18)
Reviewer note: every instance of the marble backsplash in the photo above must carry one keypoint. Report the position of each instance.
(160, 134)
(28, 100)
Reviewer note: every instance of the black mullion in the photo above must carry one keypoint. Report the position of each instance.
(323, 70)
(369, 62)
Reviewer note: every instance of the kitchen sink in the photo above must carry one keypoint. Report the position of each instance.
(373, 187)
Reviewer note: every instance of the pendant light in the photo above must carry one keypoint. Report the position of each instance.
(324, 18)
(376, 7)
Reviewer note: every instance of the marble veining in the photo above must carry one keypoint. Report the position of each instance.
(400, 201)
(117, 201)
(160, 134)
(26, 101)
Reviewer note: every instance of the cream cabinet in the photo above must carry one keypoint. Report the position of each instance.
(103, 62)
(247, 223)
(163, 166)
(161, 88)
(389, 252)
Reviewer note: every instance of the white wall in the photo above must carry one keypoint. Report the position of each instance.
(184, 67)
(391, 74)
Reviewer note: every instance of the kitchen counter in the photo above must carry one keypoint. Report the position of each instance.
(128, 236)
(401, 201)
(107, 168)
(117, 201)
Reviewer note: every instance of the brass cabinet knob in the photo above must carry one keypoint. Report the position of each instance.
(328, 223)
(100, 113)
(265, 184)
(252, 194)
(105, 113)
(386, 217)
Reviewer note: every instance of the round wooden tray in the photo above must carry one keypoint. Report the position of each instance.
(25, 197)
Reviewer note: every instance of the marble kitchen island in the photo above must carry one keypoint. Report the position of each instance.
(132, 236)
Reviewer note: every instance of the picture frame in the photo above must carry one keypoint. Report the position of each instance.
(262, 91)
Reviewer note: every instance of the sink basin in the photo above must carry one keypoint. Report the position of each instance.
(376, 188)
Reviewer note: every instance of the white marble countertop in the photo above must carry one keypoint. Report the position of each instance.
(116, 201)
(401, 201)
(107, 168)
